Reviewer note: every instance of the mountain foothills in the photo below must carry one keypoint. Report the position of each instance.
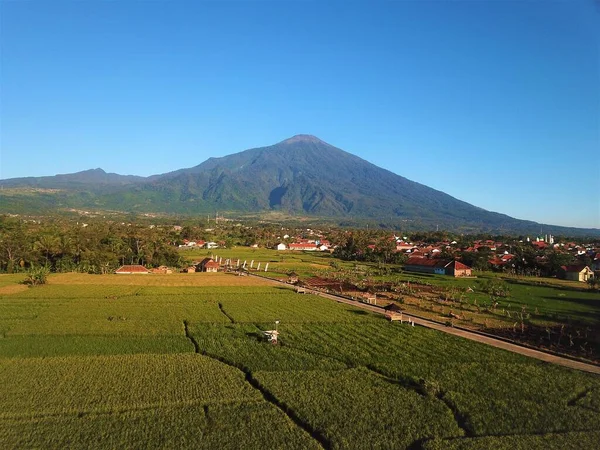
(299, 176)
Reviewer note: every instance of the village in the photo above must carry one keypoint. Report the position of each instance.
(539, 256)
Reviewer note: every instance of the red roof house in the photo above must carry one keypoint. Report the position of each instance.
(438, 266)
(209, 265)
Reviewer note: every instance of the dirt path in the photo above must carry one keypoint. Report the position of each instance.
(478, 337)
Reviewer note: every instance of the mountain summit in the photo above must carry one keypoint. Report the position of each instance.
(300, 175)
(303, 138)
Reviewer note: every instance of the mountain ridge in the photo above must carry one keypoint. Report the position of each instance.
(299, 175)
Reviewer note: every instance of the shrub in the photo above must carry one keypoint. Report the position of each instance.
(37, 276)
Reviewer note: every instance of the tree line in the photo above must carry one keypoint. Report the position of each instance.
(97, 247)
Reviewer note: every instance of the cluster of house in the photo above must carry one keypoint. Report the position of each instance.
(425, 257)
(419, 249)
(198, 244)
(206, 265)
(311, 245)
(213, 264)
(573, 272)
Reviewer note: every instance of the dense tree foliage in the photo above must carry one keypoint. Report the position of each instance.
(97, 247)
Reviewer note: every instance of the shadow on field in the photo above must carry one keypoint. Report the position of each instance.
(283, 288)
(558, 287)
(419, 274)
(359, 312)
(255, 336)
(594, 302)
(584, 317)
(575, 340)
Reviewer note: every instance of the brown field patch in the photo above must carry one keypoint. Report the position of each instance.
(174, 279)
(12, 289)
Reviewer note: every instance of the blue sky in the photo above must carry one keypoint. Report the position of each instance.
(494, 102)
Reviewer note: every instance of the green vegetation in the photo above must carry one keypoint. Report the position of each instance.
(566, 441)
(550, 313)
(227, 425)
(356, 408)
(180, 361)
(80, 385)
(36, 276)
(58, 245)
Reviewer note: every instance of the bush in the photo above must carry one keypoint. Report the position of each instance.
(430, 387)
(495, 287)
(37, 276)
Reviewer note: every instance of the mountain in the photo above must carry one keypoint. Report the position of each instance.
(301, 175)
(84, 179)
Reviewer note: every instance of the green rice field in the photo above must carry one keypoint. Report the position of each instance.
(180, 361)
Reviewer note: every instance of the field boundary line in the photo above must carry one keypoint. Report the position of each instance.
(225, 313)
(483, 338)
(461, 419)
(100, 412)
(267, 395)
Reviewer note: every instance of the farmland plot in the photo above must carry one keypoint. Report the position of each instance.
(284, 305)
(34, 387)
(61, 345)
(244, 346)
(357, 409)
(563, 441)
(146, 316)
(157, 280)
(216, 426)
(134, 365)
(492, 391)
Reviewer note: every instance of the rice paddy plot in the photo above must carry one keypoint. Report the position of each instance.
(169, 280)
(126, 316)
(255, 424)
(356, 408)
(203, 291)
(589, 399)
(504, 398)
(16, 312)
(375, 340)
(11, 279)
(75, 291)
(245, 346)
(57, 345)
(287, 307)
(548, 441)
(33, 387)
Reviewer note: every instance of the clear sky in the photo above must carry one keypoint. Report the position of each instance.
(494, 102)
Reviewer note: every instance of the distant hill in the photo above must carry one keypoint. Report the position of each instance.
(299, 176)
(87, 178)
